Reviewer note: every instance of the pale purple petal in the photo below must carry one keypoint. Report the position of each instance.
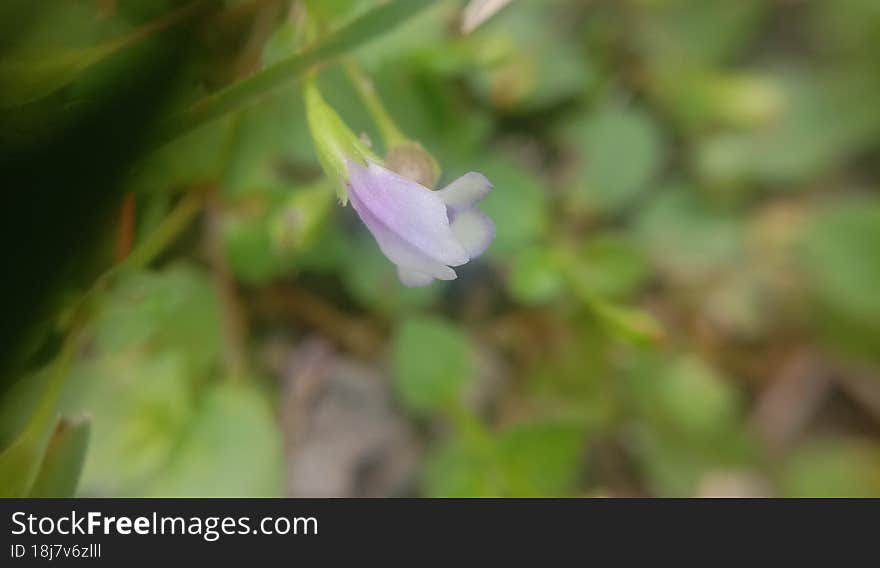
(464, 192)
(398, 250)
(413, 278)
(423, 232)
(411, 213)
(474, 230)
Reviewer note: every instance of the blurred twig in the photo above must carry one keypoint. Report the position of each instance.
(126, 227)
(792, 399)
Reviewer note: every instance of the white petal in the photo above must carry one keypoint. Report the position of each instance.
(413, 278)
(474, 230)
(465, 191)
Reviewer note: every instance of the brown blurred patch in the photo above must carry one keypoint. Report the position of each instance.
(343, 435)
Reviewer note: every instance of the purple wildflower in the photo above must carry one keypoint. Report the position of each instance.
(425, 233)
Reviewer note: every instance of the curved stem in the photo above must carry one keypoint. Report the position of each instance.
(391, 134)
(168, 230)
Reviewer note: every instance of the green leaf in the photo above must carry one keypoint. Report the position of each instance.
(833, 468)
(530, 65)
(232, 449)
(822, 121)
(687, 237)
(686, 397)
(142, 403)
(689, 421)
(536, 277)
(621, 153)
(459, 469)
(541, 459)
(634, 325)
(696, 398)
(610, 266)
(535, 459)
(19, 402)
(432, 362)
(841, 255)
(518, 203)
(20, 461)
(169, 308)
(63, 462)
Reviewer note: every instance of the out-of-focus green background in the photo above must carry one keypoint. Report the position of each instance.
(683, 297)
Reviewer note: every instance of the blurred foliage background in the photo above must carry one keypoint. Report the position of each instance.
(682, 298)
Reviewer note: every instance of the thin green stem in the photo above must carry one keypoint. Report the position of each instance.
(391, 134)
(170, 228)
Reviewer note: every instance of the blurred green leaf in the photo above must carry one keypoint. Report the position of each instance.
(157, 336)
(841, 255)
(634, 325)
(848, 27)
(172, 308)
(690, 422)
(19, 402)
(541, 459)
(458, 469)
(621, 152)
(833, 468)
(519, 202)
(432, 361)
(250, 249)
(535, 276)
(530, 67)
(609, 266)
(696, 399)
(60, 471)
(821, 121)
(142, 408)
(233, 448)
(330, 251)
(20, 461)
(686, 236)
(538, 458)
(698, 31)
